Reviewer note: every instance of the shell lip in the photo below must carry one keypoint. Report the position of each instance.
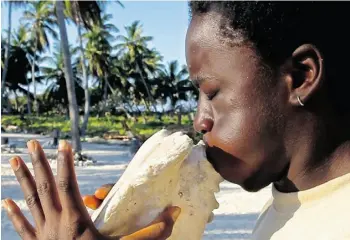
(207, 154)
(208, 157)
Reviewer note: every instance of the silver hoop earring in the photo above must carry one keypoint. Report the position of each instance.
(300, 102)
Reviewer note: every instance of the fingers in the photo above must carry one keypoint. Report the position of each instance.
(26, 180)
(102, 192)
(161, 228)
(45, 182)
(68, 190)
(153, 232)
(92, 202)
(169, 215)
(21, 224)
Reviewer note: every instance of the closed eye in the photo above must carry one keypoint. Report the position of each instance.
(212, 95)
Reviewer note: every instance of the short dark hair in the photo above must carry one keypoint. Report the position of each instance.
(276, 29)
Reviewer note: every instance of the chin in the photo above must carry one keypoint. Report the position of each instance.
(243, 176)
(249, 184)
(253, 187)
(258, 180)
(239, 172)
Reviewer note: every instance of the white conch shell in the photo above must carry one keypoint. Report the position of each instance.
(166, 171)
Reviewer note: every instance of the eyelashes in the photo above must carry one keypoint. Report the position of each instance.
(212, 95)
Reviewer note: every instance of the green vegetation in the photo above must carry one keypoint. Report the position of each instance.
(97, 126)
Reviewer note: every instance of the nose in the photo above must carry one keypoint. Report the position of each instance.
(203, 123)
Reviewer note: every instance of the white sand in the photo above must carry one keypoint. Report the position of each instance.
(234, 219)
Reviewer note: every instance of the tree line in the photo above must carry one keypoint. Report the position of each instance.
(104, 72)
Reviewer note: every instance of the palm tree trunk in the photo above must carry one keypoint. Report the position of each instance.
(8, 105)
(105, 88)
(86, 87)
(35, 106)
(7, 54)
(73, 106)
(143, 115)
(150, 97)
(179, 117)
(28, 98)
(130, 108)
(16, 100)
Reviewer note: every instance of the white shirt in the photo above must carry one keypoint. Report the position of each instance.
(320, 213)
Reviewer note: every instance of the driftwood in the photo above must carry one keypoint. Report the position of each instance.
(116, 136)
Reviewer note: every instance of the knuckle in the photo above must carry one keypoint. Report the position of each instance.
(22, 175)
(61, 158)
(159, 229)
(36, 159)
(52, 235)
(64, 185)
(32, 200)
(22, 230)
(43, 188)
(76, 226)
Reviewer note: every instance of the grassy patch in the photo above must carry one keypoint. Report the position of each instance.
(96, 126)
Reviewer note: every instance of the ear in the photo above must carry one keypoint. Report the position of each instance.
(305, 75)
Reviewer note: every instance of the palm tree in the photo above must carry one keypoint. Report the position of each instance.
(56, 92)
(119, 85)
(18, 68)
(143, 60)
(20, 57)
(8, 44)
(73, 107)
(84, 14)
(41, 19)
(173, 83)
(21, 41)
(98, 51)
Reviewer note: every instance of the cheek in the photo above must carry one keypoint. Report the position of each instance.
(244, 133)
(235, 133)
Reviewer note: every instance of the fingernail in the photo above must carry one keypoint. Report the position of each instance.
(176, 212)
(14, 162)
(63, 145)
(31, 146)
(4, 204)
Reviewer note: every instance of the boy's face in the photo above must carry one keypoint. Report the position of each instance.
(240, 109)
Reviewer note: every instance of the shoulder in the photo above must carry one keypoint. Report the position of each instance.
(263, 212)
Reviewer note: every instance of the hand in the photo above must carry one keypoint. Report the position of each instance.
(57, 208)
(159, 229)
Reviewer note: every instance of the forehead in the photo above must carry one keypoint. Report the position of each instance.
(202, 38)
(209, 52)
(212, 26)
(203, 24)
(203, 32)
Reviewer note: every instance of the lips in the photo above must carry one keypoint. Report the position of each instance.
(208, 153)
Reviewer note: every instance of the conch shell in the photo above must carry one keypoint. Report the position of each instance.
(168, 170)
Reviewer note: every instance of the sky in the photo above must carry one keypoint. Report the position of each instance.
(166, 21)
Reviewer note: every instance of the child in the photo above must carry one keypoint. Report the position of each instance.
(274, 108)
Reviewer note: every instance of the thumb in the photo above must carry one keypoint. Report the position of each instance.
(161, 228)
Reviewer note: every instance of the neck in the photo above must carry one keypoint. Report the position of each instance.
(321, 152)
